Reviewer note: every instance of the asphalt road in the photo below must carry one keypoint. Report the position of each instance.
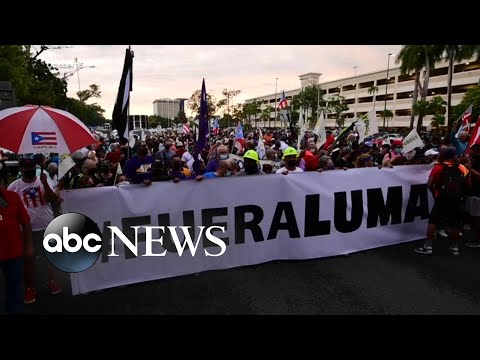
(389, 280)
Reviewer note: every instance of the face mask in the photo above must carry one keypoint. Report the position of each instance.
(29, 174)
(250, 169)
(223, 156)
(228, 173)
(292, 163)
(124, 183)
(399, 150)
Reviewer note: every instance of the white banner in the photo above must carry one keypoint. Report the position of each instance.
(296, 216)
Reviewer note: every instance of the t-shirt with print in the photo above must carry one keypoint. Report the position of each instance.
(33, 198)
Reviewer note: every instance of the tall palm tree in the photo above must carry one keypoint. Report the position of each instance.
(416, 57)
(411, 62)
(456, 53)
(373, 90)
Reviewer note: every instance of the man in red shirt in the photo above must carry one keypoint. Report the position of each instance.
(448, 183)
(16, 244)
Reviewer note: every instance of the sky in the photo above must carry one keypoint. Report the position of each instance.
(176, 71)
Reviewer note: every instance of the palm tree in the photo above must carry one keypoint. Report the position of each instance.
(415, 58)
(410, 61)
(456, 53)
(373, 90)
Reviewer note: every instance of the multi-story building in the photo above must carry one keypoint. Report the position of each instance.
(394, 94)
(137, 122)
(168, 108)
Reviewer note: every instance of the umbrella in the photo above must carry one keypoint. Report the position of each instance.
(38, 129)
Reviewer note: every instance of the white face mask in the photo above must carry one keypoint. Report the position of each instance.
(124, 183)
(223, 156)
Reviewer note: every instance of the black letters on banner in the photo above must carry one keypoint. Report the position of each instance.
(129, 232)
(290, 223)
(241, 225)
(207, 221)
(188, 220)
(416, 192)
(313, 226)
(340, 213)
(106, 240)
(377, 208)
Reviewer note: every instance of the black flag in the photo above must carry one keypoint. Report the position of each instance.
(120, 111)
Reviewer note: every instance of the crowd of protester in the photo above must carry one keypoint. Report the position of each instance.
(171, 156)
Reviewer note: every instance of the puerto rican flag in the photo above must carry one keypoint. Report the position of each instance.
(283, 102)
(44, 138)
(216, 127)
(186, 129)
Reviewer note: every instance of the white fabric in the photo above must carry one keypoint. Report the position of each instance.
(281, 170)
(332, 192)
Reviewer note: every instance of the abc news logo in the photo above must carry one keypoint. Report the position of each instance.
(73, 243)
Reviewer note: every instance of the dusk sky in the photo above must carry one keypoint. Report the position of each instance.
(176, 71)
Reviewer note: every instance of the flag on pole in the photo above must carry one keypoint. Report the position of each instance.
(216, 127)
(367, 125)
(186, 129)
(283, 102)
(64, 165)
(475, 138)
(239, 139)
(262, 152)
(466, 119)
(120, 111)
(320, 131)
(202, 128)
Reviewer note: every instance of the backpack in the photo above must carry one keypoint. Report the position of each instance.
(452, 184)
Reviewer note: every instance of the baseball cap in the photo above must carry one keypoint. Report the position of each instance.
(26, 163)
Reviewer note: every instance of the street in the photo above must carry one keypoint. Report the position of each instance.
(389, 280)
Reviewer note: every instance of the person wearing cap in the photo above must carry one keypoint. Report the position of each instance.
(37, 196)
(446, 208)
(40, 165)
(104, 176)
(15, 247)
(290, 157)
(251, 164)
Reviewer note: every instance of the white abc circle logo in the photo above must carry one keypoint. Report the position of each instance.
(63, 242)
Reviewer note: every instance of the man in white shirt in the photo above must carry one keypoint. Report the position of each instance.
(36, 194)
(290, 157)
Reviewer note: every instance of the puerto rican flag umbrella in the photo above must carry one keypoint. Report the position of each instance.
(38, 129)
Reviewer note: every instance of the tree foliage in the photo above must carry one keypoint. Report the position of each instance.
(193, 103)
(36, 82)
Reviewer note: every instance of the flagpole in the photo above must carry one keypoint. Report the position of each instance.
(128, 112)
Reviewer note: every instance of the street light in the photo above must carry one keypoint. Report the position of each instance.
(386, 88)
(276, 82)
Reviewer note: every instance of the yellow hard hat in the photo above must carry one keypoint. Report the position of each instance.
(251, 154)
(289, 151)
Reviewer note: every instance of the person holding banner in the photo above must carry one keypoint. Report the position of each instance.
(225, 169)
(250, 164)
(290, 157)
